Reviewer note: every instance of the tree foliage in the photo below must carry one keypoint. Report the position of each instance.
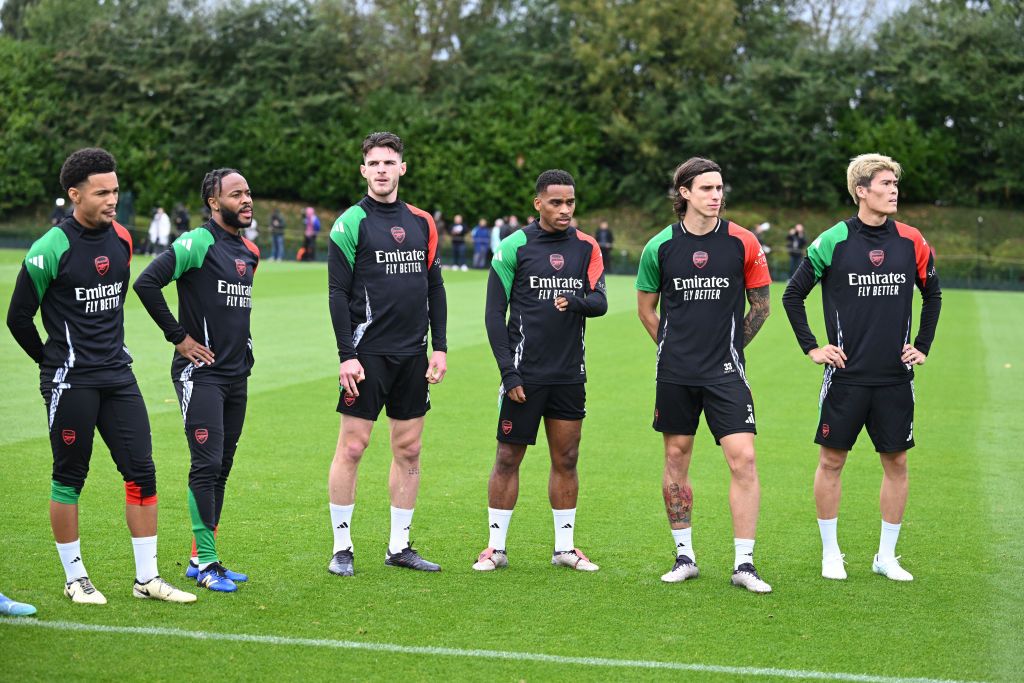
(488, 94)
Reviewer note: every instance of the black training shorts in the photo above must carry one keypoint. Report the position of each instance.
(519, 422)
(887, 412)
(728, 408)
(396, 382)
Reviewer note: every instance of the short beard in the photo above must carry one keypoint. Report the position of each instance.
(231, 219)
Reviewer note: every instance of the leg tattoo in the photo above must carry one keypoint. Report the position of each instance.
(678, 503)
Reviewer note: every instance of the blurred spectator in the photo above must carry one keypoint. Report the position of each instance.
(510, 227)
(499, 227)
(796, 242)
(311, 223)
(458, 235)
(605, 240)
(59, 214)
(252, 233)
(182, 221)
(759, 232)
(159, 232)
(276, 236)
(481, 243)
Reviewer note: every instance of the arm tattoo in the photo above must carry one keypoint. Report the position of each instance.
(760, 301)
(678, 503)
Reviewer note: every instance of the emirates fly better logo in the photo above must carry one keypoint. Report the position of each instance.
(102, 265)
(398, 232)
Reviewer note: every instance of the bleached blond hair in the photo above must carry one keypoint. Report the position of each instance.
(864, 167)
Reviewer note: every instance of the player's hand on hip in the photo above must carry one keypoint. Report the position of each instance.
(517, 394)
(350, 373)
(437, 367)
(828, 355)
(912, 356)
(196, 353)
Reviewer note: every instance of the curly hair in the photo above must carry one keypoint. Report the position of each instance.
(383, 139)
(211, 182)
(85, 162)
(683, 177)
(553, 176)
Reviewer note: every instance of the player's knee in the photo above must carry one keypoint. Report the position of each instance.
(743, 464)
(565, 460)
(408, 454)
(507, 460)
(831, 462)
(352, 451)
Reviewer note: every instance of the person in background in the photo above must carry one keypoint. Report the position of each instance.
(277, 236)
(312, 227)
(159, 232)
(182, 221)
(458, 235)
(481, 243)
(605, 239)
(499, 227)
(796, 242)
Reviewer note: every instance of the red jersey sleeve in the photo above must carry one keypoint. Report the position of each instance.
(596, 267)
(255, 252)
(755, 265)
(922, 252)
(431, 232)
(126, 237)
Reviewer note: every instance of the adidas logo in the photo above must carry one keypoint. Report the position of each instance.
(77, 559)
(36, 261)
(749, 420)
(343, 525)
(567, 526)
(407, 528)
(495, 526)
(680, 545)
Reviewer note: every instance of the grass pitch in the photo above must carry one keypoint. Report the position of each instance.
(960, 619)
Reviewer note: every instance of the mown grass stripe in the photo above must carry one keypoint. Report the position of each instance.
(459, 652)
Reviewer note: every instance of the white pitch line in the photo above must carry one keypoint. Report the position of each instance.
(457, 652)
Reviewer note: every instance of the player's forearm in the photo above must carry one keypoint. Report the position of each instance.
(497, 328)
(437, 303)
(339, 287)
(20, 316)
(931, 305)
(149, 288)
(760, 307)
(799, 287)
(593, 305)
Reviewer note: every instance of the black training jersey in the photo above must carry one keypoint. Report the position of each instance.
(214, 270)
(540, 344)
(385, 284)
(867, 276)
(702, 281)
(78, 277)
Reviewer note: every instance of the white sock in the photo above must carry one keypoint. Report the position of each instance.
(565, 520)
(401, 522)
(145, 558)
(684, 543)
(887, 543)
(829, 541)
(498, 521)
(744, 551)
(341, 521)
(71, 558)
